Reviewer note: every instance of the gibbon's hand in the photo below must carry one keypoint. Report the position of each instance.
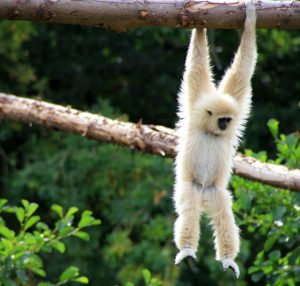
(250, 11)
(185, 252)
(229, 263)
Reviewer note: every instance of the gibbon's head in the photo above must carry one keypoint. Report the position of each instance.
(217, 114)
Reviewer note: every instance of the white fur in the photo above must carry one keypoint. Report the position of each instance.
(205, 152)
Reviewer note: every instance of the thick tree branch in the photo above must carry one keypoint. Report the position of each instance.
(122, 15)
(147, 138)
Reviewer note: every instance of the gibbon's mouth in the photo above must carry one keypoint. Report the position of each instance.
(212, 133)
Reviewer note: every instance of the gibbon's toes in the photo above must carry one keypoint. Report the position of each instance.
(229, 263)
(183, 253)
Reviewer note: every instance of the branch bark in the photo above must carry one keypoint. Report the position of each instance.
(122, 15)
(146, 138)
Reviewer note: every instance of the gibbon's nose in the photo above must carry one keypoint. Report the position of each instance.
(223, 122)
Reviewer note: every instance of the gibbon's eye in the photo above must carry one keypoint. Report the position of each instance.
(228, 119)
(209, 112)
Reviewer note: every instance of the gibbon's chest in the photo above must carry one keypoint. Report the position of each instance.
(208, 155)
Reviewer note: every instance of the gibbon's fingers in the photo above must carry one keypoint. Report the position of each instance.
(229, 263)
(183, 253)
(250, 10)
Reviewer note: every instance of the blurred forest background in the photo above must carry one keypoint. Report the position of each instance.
(132, 76)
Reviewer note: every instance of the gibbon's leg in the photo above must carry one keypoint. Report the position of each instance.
(227, 242)
(197, 78)
(187, 229)
(236, 80)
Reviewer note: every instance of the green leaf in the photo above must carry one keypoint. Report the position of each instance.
(87, 213)
(33, 220)
(147, 276)
(9, 209)
(58, 245)
(268, 269)
(291, 141)
(85, 221)
(2, 203)
(58, 209)
(8, 246)
(253, 269)
(65, 230)
(275, 254)
(290, 282)
(25, 204)
(45, 284)
(96, 222)
(257, 276)
(20, 214)
(82, 235)
(31, 209)
(129, 284)
(273, 126)
(82, 279)
(270, 242)
(39, 272)
(71, 211)
(69, 274)
(42, 226)
(6, 232)
(294, 255)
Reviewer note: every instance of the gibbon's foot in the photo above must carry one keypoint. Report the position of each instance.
(183, 253)
(229, 263)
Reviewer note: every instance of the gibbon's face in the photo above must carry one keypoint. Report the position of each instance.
(217, 114)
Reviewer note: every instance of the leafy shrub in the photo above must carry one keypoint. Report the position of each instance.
(288, 146)
(272, 217)
(20, 261)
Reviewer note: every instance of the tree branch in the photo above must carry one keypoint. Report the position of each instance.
(147, 138)
(122, 15)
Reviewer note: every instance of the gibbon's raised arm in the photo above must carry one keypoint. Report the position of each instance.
(237, 79)
(197, 78)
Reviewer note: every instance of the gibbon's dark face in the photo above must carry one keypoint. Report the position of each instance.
(223, 122)
(217, 114)
(219, 122)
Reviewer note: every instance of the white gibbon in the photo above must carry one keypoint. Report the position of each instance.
(211, 121)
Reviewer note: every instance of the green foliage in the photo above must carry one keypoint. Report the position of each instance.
(149, 280)
(274, 215)
(271, 219)
(288, 146)
(20, 250)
